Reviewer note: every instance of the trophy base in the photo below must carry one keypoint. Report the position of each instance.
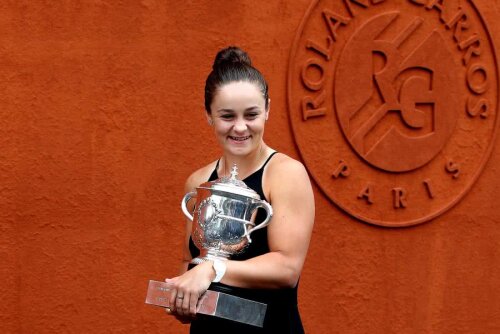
(213, 303)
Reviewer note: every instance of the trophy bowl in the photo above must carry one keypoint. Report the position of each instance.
(224, 216)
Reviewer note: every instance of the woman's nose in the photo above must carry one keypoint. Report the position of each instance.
(240, 125)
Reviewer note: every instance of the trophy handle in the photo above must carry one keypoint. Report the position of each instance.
(184, 202)
(266, 206)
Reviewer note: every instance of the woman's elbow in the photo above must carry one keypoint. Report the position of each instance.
(290, 278)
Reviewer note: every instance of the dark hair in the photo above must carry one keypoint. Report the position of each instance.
(232, 64)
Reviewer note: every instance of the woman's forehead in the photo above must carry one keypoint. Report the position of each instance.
(239, 93)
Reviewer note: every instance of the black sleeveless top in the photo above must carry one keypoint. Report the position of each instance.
(282, 315)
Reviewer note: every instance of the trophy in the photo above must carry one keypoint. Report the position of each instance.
(223, 219)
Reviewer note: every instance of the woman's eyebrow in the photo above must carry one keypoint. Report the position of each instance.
(224, 110)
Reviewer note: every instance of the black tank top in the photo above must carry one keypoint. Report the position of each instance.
(282, 314)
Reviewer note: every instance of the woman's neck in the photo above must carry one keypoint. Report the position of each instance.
(246, 164)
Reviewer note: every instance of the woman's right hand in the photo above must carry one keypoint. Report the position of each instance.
(188, 288)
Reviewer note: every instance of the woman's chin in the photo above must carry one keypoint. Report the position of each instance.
(238, 149)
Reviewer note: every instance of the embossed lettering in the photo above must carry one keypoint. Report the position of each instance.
(325, 52)
(342, 170)
(367, 193)
(311, 107)
(348, 4)
(453, 168)
(418, 2)
(437, 4)
(475, 86)
(309, 82)
(399, 198)
(334, 21)
(473, 46)
(479, 107)
(460, 22)
(454, 19)
(428, 186)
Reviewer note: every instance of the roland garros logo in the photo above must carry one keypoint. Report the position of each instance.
(393, 104)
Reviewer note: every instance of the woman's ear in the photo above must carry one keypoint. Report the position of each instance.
(268, 108)
(209, 119)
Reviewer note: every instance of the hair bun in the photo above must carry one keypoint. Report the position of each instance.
(231, 55)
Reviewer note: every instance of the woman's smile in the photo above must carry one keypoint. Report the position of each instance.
(239, 139)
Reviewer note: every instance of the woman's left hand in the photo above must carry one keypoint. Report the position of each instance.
(189, 287)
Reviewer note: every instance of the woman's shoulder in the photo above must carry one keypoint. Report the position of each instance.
(283, 167)
(200, 176)
(283, 163)
(283, 176)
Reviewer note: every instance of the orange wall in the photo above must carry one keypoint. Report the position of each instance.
(101, 122)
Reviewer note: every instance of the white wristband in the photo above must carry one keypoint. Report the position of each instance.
(220, 269)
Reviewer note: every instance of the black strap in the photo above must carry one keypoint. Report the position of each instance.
(269, 158)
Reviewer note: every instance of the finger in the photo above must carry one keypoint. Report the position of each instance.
(171, 301)
(179, 300)
(186, 303)
(193, 301)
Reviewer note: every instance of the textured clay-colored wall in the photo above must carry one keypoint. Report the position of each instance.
(102, 121)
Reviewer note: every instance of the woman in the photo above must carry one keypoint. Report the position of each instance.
(237, 107)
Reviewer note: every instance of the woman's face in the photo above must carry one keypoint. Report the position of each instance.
(238, 114)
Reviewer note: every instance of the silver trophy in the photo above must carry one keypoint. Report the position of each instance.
(224, 217)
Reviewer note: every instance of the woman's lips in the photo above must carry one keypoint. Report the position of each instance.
(239, 139)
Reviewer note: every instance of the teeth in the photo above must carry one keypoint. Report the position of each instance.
(240, 138)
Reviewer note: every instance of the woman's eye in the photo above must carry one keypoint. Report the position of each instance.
(227, 116)
(252, 115)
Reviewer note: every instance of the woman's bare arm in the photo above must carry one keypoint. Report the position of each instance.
(289, 232)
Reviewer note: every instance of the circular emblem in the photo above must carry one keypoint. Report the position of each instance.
(393, 104)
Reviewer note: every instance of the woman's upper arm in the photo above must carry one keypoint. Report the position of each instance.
(189, 186)
(292, 199)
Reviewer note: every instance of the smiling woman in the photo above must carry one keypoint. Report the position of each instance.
(268, 271)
